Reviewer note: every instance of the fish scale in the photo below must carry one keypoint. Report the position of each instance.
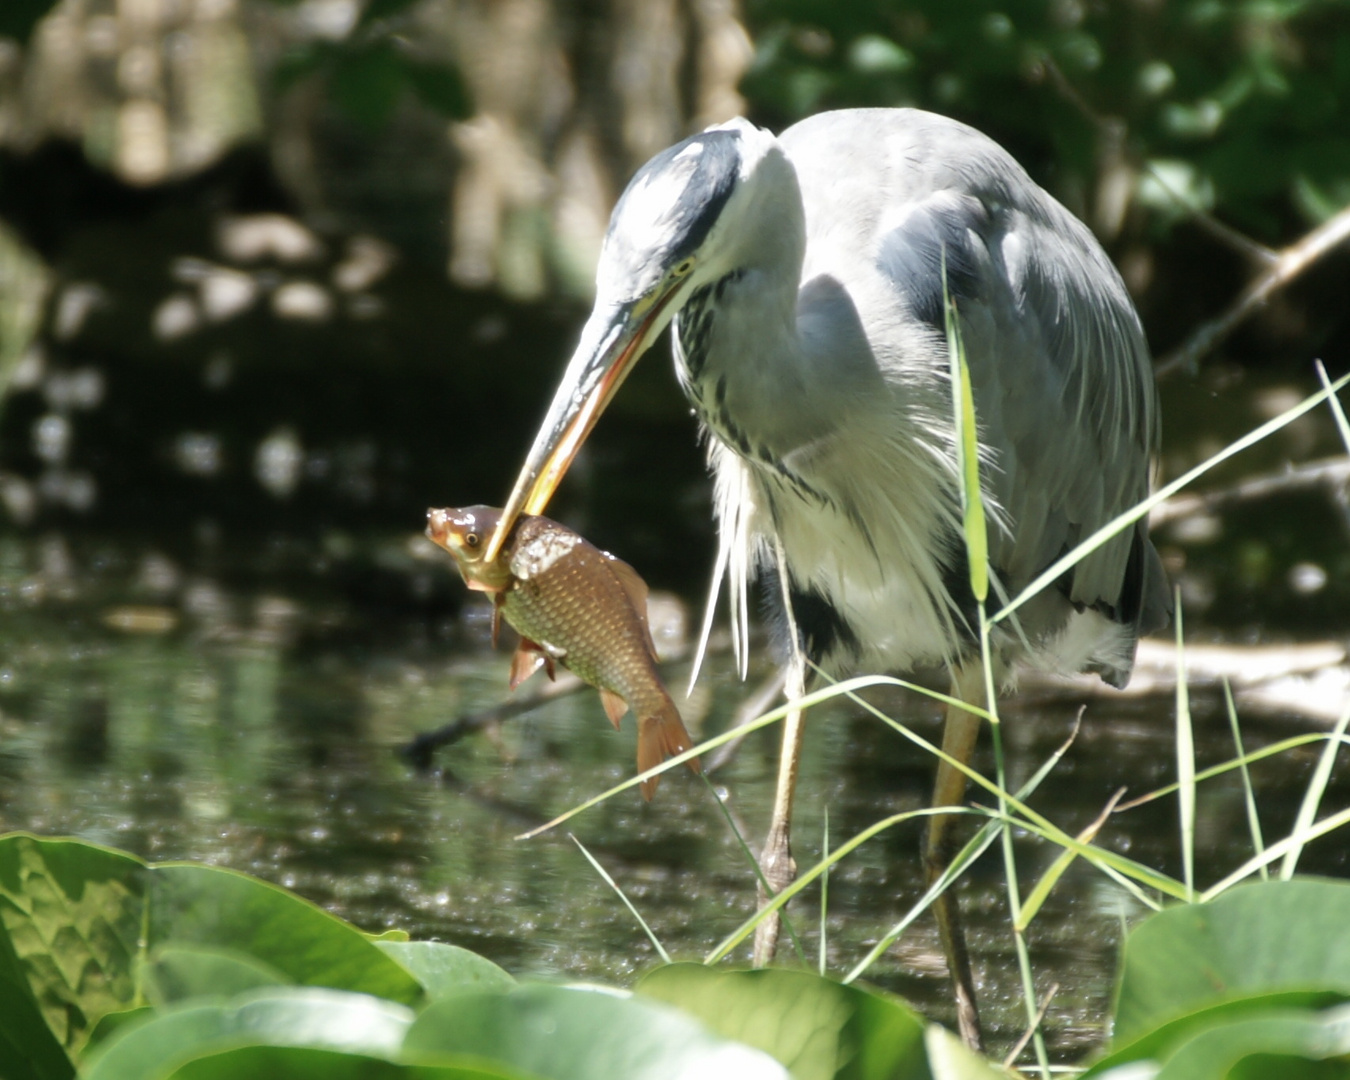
(575, 605)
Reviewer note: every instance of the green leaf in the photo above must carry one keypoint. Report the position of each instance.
(73, 915)
(447, 969)
(818, 1028)
(28, 1049)
(212, 907)
(292, 1063)
(440, 87)
(383, 9)
(1161, 1042)
(295, 1016)
(1289, 1041)
(19, 18)
(80, 919)
(1255, 939)
(950, 1059)
(366, 84)
(175, 974)
(564, 1033)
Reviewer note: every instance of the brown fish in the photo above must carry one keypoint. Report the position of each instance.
(575, 605)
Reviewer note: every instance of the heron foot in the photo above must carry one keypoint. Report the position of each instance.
(957, 955)
(779, 869)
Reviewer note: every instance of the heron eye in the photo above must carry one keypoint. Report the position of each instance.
(684, 268)
(471, 540)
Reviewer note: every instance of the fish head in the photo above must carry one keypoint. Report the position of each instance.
(464, 532)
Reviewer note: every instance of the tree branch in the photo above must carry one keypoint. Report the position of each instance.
(1290, 263)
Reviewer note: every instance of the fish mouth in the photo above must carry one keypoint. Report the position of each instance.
(611, 342)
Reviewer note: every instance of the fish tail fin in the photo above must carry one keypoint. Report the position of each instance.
(661, 735)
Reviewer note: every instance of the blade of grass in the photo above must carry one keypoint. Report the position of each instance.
(1030, 819)
(771, 717)
(1312, 798)
(1051, 877)
(761, 915)
(977, 562)
(1253, 818)
(1291, 743)
(656, 943)
(968, 854)
(1141, 509)
(824, 891)
(1185, 739)
(1298, 838)
(1342, 424)
(803, 881)
(1009, 858)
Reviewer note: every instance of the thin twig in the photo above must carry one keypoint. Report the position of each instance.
(1290, 263)
(1021, 1044)
(1114, 129)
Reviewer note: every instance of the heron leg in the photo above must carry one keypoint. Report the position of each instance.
(960, 731)
(775, 861)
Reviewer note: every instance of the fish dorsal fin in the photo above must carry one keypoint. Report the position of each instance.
(636, 589)
(615, 706)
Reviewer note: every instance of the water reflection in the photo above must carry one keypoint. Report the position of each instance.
(257, 731)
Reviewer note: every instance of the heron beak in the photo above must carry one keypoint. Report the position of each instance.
(611, 342)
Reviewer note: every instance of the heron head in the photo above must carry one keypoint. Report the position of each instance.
(674, 229)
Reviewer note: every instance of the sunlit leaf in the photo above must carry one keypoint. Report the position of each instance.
(80, 918)
(294, 1063)
(295, 1016)
(446, 969)
(564, 1033)
(175, 974)
(818, 1028)
(1256, 939)
(27, 1046)
(212, 906)
(73, 914)
(1277, 1044)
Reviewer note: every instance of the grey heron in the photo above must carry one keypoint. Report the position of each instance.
(804, 275)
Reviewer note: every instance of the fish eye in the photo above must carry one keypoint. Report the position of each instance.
(471, 540)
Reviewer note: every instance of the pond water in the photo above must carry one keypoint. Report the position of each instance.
(177, 713)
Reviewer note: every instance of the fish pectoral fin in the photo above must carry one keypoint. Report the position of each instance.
(615, 706)
(527, 659)
(659, 737)
(497, 601)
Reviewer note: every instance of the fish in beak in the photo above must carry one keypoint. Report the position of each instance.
(614, 337)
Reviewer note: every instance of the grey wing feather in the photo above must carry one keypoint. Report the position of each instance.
(1059, 363)
(1064, 391)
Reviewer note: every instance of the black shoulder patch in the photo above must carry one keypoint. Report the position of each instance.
(912, 256)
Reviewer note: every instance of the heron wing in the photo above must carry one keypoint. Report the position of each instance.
(1060, 367)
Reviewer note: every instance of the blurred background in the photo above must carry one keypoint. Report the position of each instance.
(278, 275)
